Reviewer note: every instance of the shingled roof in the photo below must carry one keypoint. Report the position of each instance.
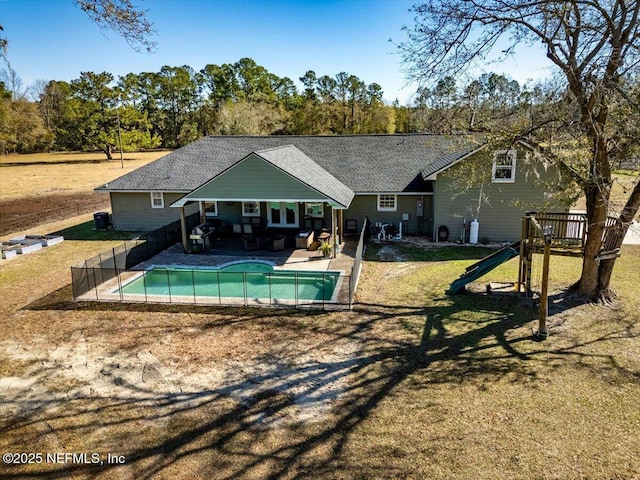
(294, 162)
(298, 168)
(363, 163)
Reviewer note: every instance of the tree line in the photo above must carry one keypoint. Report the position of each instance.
(177, 105)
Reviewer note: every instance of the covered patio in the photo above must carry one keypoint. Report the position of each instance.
(272, 199)
(230, 251)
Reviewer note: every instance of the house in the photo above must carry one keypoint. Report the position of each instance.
(298, 182)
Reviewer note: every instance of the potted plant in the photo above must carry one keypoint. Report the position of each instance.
(325, 248)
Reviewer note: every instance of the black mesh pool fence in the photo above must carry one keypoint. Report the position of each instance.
(207, 287)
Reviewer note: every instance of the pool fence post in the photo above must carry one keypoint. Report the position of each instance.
(270, 294)
(115, 265)
(324, 280)
(101, 267)
(168, 283)
(117, 272)
(244, 286)
(193, 285)
(95, 282)
(144, 285)
(219, 294)
(120, 286)
(86, 268)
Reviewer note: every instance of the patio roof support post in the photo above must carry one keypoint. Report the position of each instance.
(333, 231)
(203, 215)
(183, 229)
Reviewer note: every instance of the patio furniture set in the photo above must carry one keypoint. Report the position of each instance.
(253, 236)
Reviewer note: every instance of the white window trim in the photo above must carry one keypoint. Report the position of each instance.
(209, 214)
(387, 209)
(251, 214)
(508, 153)
(154, 197)
(283, 219)
(320, 215)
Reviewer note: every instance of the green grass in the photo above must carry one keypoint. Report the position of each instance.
(86, 232)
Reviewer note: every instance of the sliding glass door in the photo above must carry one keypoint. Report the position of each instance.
(283, 215)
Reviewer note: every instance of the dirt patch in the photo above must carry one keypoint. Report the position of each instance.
(388, 253)
(310, 380)
(18, 214)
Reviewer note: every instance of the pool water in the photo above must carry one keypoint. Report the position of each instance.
(252, 280)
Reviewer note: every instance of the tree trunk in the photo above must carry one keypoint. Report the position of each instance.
(624, 221)
(597, 193)
(588, 285)
(107, 151)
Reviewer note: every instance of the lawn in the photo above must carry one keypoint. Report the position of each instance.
(47, 173)
(42, 187)
(412, 383)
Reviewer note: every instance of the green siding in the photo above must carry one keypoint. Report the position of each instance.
(133, 212)
(366, 206)
(231, 212)
(500, 218)
(253, 178)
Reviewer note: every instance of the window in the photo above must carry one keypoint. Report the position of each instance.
(250, 209)
(314, 209)
(282, 214)
(504, 166)
(387, 203)
(210, 209)
(157, 200)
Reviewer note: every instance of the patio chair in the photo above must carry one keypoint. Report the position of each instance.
(256, 223)
(350, 227)
(277, 244)
(308, 223)
(249, 242)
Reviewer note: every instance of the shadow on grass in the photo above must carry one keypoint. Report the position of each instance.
(62, 300)
(229, 428)
(86, 231)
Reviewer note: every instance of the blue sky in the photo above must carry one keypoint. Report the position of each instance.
(55, 40)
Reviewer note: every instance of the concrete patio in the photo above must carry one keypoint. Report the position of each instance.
(230, 250)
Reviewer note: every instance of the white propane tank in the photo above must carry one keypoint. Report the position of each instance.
(473, 231)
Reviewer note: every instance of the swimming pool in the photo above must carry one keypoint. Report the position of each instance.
(248, 280)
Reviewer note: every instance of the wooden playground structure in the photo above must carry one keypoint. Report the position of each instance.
(562, 233)
(558, 234)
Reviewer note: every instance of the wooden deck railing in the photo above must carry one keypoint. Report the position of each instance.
(569, 230)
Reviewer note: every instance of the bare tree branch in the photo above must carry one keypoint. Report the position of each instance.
(124, 18)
